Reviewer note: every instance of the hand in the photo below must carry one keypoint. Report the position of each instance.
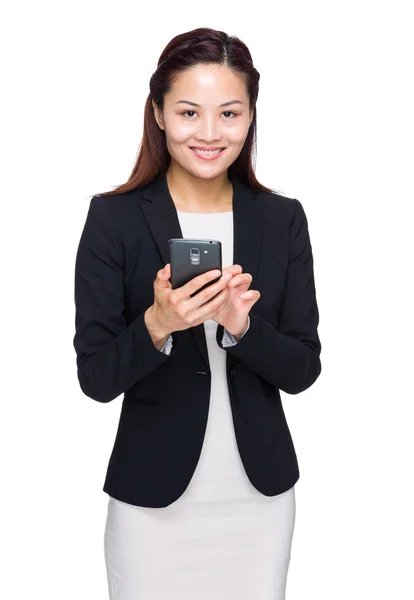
(176, 310)
(233, 315)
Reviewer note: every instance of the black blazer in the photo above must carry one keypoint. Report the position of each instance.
(165, 404)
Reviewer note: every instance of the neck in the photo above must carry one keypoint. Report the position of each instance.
(195, 194)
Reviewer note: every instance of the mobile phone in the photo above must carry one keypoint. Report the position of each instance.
(191, 257)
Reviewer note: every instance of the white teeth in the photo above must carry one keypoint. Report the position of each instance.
(207, 151)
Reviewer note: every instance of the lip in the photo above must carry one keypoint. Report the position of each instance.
(206, 156)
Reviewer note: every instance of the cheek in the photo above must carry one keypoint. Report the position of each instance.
(178, 131)
(237, 139)
(237, 134)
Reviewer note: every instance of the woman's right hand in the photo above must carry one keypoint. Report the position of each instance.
(176, 310)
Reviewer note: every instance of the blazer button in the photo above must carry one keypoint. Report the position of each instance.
(232, 372)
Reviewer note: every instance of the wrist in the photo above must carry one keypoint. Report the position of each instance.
(156, 331)
(239, 332)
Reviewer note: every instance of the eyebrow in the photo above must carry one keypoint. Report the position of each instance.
(198, 105)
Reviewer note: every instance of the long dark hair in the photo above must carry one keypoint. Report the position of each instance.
(199, 46)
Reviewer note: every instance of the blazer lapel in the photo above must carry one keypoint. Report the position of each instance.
(248, 221)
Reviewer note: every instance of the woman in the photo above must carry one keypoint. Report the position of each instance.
(201, 476)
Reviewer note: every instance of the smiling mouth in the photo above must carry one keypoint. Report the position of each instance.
(207, 152)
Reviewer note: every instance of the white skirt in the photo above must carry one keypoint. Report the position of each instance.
(222, 543)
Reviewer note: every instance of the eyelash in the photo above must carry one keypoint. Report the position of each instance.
(224, 111)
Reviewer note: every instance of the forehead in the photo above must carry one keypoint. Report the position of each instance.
(207, 84)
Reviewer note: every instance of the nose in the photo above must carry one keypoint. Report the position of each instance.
(208, 130)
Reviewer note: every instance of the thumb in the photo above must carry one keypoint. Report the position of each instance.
(162, 277)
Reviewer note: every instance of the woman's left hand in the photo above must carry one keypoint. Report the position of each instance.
(233, 315)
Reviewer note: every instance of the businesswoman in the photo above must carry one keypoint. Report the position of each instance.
(202, 472)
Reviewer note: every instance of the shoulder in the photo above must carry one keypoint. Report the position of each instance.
(121, 211)
(113, 203)
(284, 208)
(116, 220)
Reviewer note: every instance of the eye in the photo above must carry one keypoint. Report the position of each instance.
(225, 111)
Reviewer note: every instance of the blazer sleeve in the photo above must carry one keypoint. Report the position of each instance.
(112, 355)
(287, 357)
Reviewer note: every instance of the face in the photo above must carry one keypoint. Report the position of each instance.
(194, 116)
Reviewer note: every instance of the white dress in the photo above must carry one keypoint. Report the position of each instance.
(222, 539)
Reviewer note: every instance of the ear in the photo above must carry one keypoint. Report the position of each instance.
(251, 116)
(157, 115)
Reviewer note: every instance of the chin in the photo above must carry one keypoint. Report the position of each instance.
(211, 175)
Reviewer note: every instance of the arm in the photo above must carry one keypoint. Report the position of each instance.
(111, 356)
(287, 357)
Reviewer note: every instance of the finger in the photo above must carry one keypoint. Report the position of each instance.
(207, 293)
(243, 278)
(233, 269)
(210, 308)
(250, 295)
(197, 282)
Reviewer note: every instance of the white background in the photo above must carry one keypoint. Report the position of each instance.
(335, 130)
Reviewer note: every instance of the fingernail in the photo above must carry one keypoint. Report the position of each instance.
(228, 276)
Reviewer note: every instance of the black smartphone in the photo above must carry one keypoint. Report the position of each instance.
(191, 257)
